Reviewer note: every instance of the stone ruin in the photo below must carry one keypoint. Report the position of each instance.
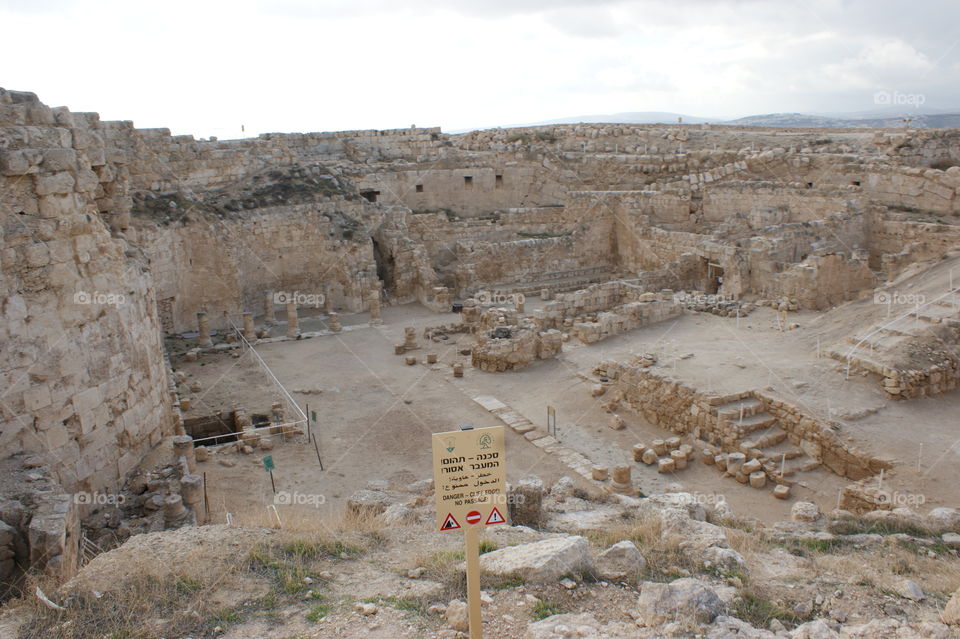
(112, 234)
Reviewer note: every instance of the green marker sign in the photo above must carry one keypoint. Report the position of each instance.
(313, 415)
(268, 464)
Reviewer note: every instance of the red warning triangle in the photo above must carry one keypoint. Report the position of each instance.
(449, 523)
(495, 517)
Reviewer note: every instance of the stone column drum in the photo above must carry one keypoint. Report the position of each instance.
(249, 330)
(334, 322)
(293, 322)
(203, 326)
(375, 319)
(268, 316)
(191, 492)
(183, 447)
(622, 482)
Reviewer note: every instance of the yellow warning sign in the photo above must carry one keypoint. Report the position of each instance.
(469, 474)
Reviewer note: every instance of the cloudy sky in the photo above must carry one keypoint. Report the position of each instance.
(207, 67)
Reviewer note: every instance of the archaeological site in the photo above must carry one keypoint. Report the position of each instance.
(726, 359)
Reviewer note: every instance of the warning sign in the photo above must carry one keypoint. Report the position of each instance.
(495, 517)
(469, 473)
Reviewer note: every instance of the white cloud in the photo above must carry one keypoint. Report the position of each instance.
(301, 65)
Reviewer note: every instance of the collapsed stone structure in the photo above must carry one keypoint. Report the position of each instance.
(114, 237)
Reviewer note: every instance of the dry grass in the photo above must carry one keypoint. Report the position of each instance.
(150, 602)
(884, 566)
(364, 529)
(665, 558)
(746, 543)
(147, 597)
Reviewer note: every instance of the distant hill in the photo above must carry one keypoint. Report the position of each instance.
(930, 119)
(633, 117)
(793, 120)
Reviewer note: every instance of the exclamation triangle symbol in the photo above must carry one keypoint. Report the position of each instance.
(449, 523)
(495, 518)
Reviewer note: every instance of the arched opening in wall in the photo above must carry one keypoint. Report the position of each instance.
(386, 267)
(714, 278)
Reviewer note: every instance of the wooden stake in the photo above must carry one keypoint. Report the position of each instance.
(472, 552)
(206, 499)
(317, 448)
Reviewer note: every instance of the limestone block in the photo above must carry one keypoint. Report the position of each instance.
(661, 603)
(59, 159)
(735, 462)
(659, 447)
(620, 561)
(679, 459)
(542, 561)
(758, 479)
(57, 183)
(14, 163)
(666, 465)
(526, 502)
(599, 473)
(805, 511)
(720, 461)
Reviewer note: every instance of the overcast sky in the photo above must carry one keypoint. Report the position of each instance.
(206, 67)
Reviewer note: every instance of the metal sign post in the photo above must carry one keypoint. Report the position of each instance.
(469, 475)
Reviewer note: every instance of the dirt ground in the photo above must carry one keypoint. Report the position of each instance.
(376, 413)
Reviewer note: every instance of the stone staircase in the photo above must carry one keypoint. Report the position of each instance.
(563, 282)
(759, 436)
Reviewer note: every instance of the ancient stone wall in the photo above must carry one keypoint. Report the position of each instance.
(818, 440)
(509, 341)
(82, 362)
(320, 250)
(466, 191)
(766, 204)
(895, 244)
